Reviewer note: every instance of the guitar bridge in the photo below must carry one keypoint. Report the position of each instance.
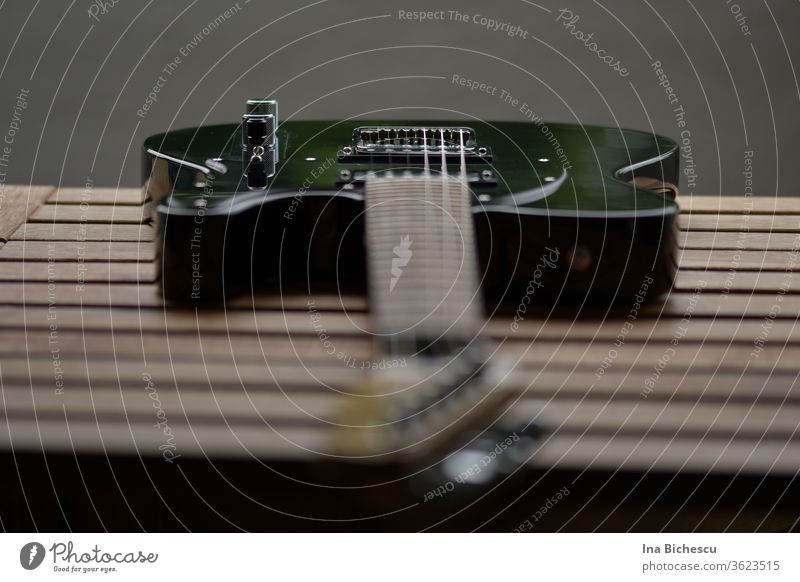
(374, 143)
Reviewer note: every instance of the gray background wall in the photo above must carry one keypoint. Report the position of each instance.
(87, 77)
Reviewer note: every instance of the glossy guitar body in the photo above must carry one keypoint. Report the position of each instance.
(557, 218)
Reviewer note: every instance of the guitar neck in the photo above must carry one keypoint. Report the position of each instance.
(423, 274)
(427, 310)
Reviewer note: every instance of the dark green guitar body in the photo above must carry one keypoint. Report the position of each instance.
(556, 217)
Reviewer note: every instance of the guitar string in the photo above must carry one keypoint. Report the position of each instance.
(463, 198)
(396, 349)
(445, 193)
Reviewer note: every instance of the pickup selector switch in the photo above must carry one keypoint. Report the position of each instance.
(259, 142)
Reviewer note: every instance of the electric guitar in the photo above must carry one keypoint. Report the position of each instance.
(441, 224)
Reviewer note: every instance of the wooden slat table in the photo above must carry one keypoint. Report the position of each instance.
(702, 386)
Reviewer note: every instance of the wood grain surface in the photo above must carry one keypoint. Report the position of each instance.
(706, 379)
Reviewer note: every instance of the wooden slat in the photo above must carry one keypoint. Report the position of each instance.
(127, 251)
(17, 203)
(246, 324)
(98, 213)
(656, 453)
(290, 347)
(739, 223)
(740, 204)
(698, 299)
(734, 259)
(269, 321)
(215, 440)
(159, 346)
(114, 196)
(564, 449)
(187, 319)
(698, 329)
(763, 282)
(674, 384)
(109, 436)
(81, 372)
(77, 251)
(690, 356)
(74, 272)
(711, 386)
(84, 232)
(89, 294)
(743, 241)
(770, 421)
(767, 282)
(193, 405)
(591, 353)
(688, 204)
(550, 383)
(315, 371)
(724, 210)
(148, 294)
(735, 222)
